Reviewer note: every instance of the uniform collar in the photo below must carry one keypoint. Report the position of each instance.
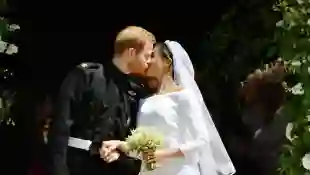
(134, 85)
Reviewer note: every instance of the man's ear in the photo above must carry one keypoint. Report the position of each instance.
(132, 52)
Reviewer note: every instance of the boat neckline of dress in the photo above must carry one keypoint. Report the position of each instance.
(167, 93)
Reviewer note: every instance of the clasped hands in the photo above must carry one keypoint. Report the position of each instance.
(109, 152)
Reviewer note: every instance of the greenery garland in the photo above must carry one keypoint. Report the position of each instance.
(293, 35)
(6, 48)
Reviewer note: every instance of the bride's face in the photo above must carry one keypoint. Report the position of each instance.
(157, 66)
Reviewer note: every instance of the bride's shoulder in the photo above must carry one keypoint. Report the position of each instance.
(184, 94)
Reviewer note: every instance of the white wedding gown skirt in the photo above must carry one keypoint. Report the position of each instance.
(171, 114)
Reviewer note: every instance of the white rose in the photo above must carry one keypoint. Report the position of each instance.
(300, 1)
(11, 49)
(3, 45)
(306, 161)
(288, 131)
(13, 27)
(280, 23)
(296, 63)
(297, 89)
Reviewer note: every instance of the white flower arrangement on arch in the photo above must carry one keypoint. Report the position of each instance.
(293, 35)
(6, 47)
(306, 161)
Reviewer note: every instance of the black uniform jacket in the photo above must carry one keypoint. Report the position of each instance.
(96, 104)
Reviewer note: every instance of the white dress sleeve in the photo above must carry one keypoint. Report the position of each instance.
(199, 137)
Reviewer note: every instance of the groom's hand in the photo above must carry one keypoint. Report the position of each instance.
(108, 150)
(111, 157)
(108, 155)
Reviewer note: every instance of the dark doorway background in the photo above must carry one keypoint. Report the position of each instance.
(56, 36)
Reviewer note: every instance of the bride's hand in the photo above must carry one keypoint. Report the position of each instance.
(116, 144)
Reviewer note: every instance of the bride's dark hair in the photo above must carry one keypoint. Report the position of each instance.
(165, 52)
(166, 55)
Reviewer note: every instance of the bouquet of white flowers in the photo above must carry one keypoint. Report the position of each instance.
(144, 140)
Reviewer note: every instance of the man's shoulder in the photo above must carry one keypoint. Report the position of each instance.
(86, 70)
(90, 67)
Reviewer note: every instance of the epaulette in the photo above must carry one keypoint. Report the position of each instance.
(91, 67)
(85, 65)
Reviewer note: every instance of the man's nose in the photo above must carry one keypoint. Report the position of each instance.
(148, 61)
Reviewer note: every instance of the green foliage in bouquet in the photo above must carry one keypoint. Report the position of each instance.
(143, 139)
(293, 36)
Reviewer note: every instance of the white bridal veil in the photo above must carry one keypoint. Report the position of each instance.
(184, 76)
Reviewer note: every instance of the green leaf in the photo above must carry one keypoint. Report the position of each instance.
(3, 28)
(306, 138)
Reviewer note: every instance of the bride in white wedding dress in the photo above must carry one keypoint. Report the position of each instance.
(178, 111)
(192, 145)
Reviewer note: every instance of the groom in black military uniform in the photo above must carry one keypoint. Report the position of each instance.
(99, 103)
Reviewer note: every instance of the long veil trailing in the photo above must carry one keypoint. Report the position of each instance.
(184, 76)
